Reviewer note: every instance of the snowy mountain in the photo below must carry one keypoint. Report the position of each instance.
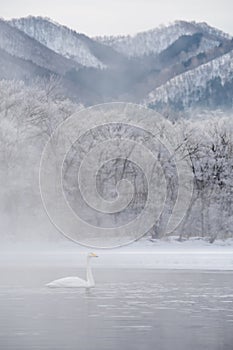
(176, 66)
(210, 84)
(15, 68)
(66, 42)
(156, 40)
(18, 44)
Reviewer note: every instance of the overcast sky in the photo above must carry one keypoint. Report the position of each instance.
(99, 17)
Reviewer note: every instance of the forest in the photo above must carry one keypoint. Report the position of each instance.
(30, 114)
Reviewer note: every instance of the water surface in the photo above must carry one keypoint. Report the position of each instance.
(129, 309)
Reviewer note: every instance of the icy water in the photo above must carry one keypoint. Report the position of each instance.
(129, 309)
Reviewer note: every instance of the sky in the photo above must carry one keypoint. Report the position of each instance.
(112, 17)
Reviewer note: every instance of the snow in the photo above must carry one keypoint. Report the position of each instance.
(183, 86)
(58, 38)
(158, 39)
(193, 254)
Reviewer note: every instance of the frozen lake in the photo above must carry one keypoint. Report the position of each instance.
(129, 309)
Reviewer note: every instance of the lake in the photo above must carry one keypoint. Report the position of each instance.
(129, 309)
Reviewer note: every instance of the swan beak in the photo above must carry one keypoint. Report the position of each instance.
(94, 255)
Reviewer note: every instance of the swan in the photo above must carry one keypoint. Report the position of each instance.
(76, 282)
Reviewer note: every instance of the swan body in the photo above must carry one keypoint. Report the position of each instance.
(76, 282)
(70, 282)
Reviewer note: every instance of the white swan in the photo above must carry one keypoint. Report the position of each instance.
(76, 282)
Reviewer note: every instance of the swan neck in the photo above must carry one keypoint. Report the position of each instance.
(90, 279)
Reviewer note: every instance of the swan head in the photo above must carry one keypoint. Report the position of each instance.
(93, 255)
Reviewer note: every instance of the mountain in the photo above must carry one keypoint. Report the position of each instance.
(208, 85)
(66, 42)
(15, 68)
(156, 40)
(185, 64)
(18, 44)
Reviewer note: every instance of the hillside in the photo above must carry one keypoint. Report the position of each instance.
(171, 67)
